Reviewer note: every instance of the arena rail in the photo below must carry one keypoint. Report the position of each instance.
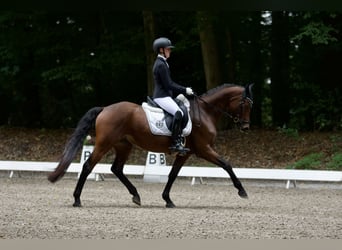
(291, 176)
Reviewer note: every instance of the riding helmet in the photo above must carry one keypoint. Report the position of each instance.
(162, 42)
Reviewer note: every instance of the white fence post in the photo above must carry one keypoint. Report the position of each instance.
(155, 160)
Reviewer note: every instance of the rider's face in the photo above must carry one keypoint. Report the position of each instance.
(167, 52)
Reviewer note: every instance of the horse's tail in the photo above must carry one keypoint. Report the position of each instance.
(75, 142)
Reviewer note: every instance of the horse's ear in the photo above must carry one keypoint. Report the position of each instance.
(249, 92)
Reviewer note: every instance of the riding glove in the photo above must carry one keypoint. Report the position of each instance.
(189, 91)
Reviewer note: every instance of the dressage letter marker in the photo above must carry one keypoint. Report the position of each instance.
(155, 160)
(86, 154)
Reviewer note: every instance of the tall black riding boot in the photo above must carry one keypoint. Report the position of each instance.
(176, 135)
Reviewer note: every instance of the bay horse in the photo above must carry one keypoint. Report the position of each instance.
(124, 124)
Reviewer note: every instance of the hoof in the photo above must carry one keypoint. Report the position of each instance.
(77, 204)
(243, 194)
(52, 178)
(136, 200)
(170, 205)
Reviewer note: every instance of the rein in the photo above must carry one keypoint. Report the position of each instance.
(235, 119)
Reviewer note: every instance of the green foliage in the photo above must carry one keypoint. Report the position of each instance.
(290, 132)
(55, 65)
(336, 162)
(310, 161)
(318, 33)
(336, 141)
(316, 108)
(318, 161)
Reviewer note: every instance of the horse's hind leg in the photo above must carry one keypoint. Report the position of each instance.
(123, 149)
(86, 170)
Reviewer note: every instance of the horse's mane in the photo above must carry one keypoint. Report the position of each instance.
(214, 90)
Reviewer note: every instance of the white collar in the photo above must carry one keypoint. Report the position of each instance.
(164, 58)
(159, 55)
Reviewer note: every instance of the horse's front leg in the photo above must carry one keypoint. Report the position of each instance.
(176, 167)
(211, 156)
(226, 166)
(123, 149)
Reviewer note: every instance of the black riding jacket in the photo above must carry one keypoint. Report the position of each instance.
(163, 84)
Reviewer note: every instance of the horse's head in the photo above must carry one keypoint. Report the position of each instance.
(231, 100)
(242, 108)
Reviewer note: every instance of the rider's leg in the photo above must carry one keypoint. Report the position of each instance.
(177, 133)
(170, 106)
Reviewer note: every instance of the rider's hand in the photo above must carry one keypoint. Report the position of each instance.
(189, 91)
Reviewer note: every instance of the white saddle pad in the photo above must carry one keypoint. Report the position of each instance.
(156, 118)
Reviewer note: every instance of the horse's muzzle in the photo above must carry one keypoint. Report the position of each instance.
(244, 126)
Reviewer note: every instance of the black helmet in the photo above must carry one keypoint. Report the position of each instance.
(161, 42)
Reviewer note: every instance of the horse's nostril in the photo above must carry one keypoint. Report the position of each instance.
(245, 127)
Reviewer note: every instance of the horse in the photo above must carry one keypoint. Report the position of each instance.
(121, 125)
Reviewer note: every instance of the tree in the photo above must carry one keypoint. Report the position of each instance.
(316, 76)
(210, 50)
(55, 65)
(280, 84)
(150, 56)
(256, 67)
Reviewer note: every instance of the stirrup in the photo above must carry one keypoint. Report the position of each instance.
(179, 148)
(181, 152)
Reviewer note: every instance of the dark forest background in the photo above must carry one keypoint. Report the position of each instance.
(55, 65)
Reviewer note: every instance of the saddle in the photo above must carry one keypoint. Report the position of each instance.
(160, 121)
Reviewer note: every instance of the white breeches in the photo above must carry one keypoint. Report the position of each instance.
(168, 104)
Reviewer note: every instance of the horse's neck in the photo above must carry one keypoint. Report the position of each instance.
(220, 99)
(210, 105)
(218, 103)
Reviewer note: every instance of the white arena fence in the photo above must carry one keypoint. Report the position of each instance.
(155, 170)
(160, 173)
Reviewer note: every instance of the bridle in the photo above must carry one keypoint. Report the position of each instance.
(235, 118)
(242, 105)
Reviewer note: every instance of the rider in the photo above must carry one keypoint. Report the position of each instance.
(165, 90)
